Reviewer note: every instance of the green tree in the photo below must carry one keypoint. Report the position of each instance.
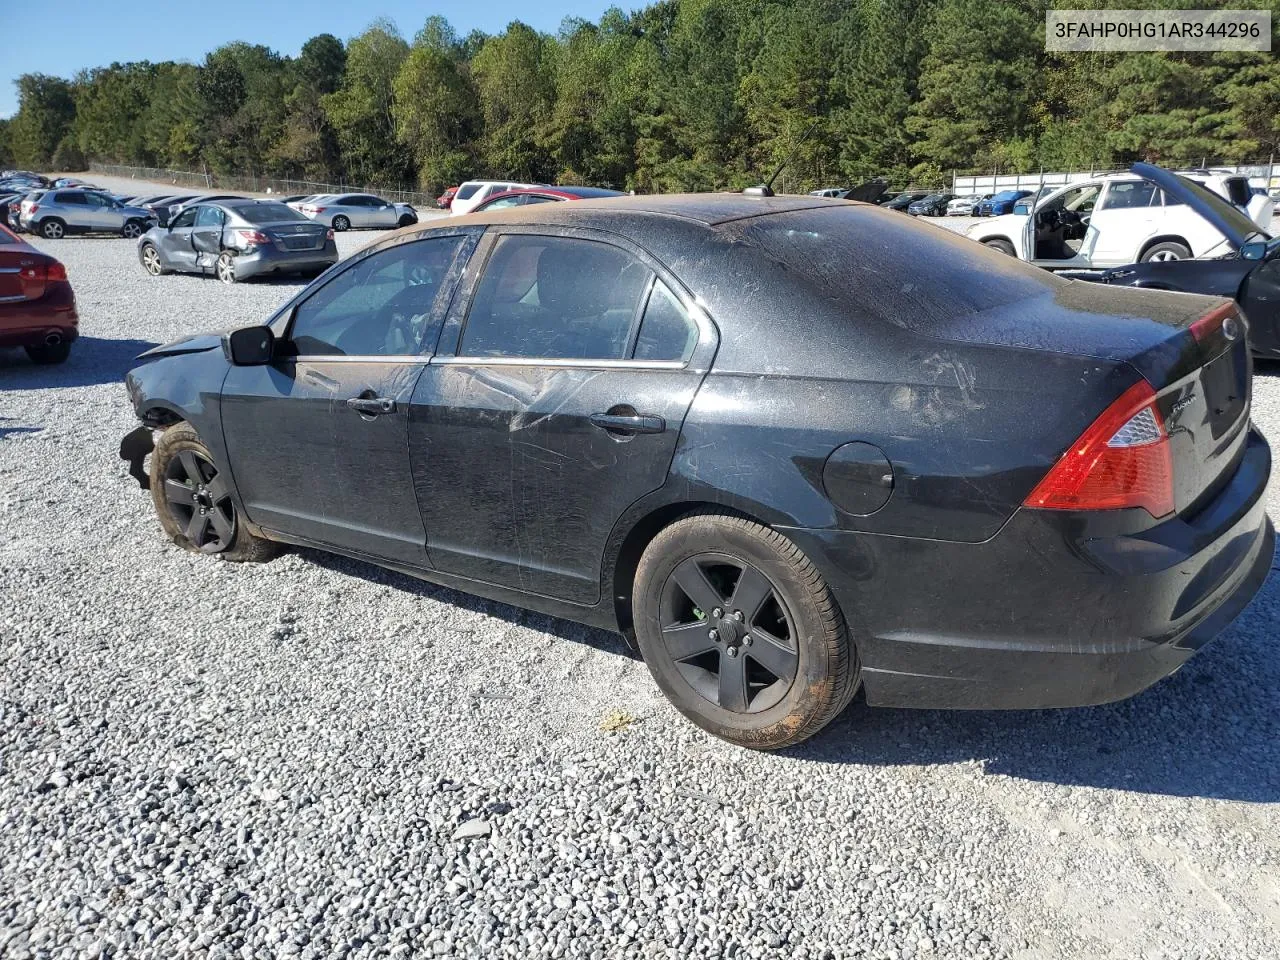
(515, 79)
(436, 109)
(46, 112)
(307, 145)
(978, 82)
(361, 110)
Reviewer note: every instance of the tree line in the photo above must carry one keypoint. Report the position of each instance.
(680, 95)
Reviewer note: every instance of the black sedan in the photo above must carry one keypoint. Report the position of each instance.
(790, 446)
(1247, 270)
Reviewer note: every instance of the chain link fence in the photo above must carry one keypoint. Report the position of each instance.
(274, 186)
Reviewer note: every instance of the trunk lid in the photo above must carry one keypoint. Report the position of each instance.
(296, 236)
(23, 273)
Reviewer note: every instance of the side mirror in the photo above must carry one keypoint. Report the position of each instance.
(250, 347)
(1254, 251)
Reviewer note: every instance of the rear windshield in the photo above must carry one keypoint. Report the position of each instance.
(466, 190)
(267, 213)
(893, 268)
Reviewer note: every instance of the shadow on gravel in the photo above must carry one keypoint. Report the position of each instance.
(1210, 730)
(93, 360)
(1266, 368)
(7, 431)
(602, 640)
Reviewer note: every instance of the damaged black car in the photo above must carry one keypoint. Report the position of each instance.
(790, 447)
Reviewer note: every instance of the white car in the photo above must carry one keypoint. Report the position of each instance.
(475, 192)
(353, 211)
(1113, 220)
(963, 206)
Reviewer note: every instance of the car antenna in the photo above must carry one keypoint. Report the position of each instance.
(766, 189)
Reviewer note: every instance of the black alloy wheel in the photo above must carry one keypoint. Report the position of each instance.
(726, 627)
(199, 502)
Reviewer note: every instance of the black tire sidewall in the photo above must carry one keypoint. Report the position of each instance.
(815, 673)
(1001, 246)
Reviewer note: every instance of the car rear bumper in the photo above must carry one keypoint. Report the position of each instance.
(1041, 616)
(33, 322)
(266, 260)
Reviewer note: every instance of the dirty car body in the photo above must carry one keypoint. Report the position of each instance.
(905, 442)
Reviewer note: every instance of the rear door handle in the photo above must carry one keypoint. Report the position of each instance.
(372, 406)
(634, 423)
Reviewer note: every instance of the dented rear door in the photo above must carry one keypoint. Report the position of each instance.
(524, 462)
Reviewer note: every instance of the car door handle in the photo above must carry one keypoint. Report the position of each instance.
(633, 423)
(372, 406)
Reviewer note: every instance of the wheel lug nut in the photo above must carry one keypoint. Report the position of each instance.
(717, 613)
(713, 635)
(737, 615)
(746, 641)
(733, 652)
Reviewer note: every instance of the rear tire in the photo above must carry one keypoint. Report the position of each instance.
(132, 229)
(742, 684)
(53, 229)
(1004, 246)
(341, 224)
(47, 355)
(1167, 250)
(180, 461)
(407, 221)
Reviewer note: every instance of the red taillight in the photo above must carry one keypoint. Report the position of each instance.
(317, 209)
(1211, 322)
(34, 208)
(253, 237)
(56, 272)
(1122, 460)
(328, 234)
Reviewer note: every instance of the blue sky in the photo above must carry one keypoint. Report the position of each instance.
(95, 34)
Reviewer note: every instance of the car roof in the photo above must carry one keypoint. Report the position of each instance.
(705, 208)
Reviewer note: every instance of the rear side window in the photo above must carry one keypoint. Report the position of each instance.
(555, 298)
(383, 305)
(666, 332)
(466, 191)
(1238, 191)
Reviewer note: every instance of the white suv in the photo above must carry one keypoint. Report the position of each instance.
(1115, 220)
(474, 192)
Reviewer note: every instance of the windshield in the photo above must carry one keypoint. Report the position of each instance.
(268, 213)
(1238, 221)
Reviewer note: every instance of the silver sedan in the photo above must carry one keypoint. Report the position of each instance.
(236, 240)
(352, 211)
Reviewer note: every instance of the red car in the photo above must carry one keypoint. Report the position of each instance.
(445, 200)
(37, 304)
(518, 198)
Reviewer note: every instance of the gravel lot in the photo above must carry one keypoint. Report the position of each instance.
(316, 758)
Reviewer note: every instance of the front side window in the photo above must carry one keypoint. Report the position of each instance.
(1129, 195)
(381, 306)
(1079, 199)
(503, 202)
(554, 298)
(186, 218)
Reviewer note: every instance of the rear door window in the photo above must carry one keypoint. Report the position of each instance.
(72, 198)
(208, 217)
(186, 218)
(666, 330)
(383, 305)
(555, 298)
(1130, 194)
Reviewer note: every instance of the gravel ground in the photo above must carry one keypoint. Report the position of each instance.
(316, 758)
